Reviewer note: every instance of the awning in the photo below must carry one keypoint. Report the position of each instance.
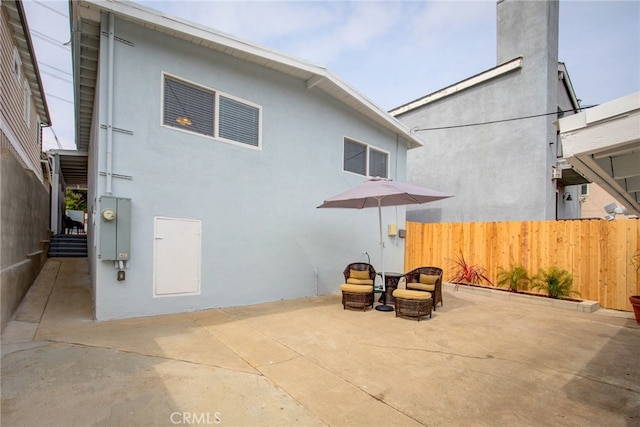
(603, 144)
(73, 166)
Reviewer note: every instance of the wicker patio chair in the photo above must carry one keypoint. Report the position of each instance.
(426, 279)
(357, 291)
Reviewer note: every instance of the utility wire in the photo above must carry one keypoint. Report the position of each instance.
(55, 137)
(56, 77)
(57, 97)
(418, 129)
(55, 68)
(39, 3)
(49, 40)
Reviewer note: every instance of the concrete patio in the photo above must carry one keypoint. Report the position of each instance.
(478, 362)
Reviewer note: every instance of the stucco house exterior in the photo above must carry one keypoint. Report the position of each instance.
(24, 175)
(490, 139)
(207, 158)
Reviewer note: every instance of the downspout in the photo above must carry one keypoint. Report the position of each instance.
(55, 195)
(110, 55)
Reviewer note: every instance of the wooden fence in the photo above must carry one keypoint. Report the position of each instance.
(602, 255)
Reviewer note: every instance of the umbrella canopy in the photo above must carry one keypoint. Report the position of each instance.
(383, 192)
(378, 192)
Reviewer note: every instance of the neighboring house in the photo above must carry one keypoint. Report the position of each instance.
(595, 200)
(207, 158)
(490, 140)
(603, 143)
(24, 178)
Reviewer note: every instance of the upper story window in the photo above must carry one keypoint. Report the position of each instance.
(39, 133)
(27, 103)
(205, 111)
(365, 160)
(584, 190)
(17, 63)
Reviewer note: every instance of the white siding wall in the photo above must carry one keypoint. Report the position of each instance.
(22, 139)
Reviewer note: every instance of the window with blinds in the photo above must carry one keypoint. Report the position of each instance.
(239, 122)
(188, 107)
(355, 157)
(193, 108)
(378, 162)
(365, 160)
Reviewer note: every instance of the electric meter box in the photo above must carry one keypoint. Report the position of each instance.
(115, 228)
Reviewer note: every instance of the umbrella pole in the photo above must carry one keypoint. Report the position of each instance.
(384, 285)
(383, 306)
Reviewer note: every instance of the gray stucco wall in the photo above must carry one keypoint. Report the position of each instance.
(24, 221)
(499, 171)
(262, 237)
(568, 208)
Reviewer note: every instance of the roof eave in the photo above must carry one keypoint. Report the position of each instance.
(562, 68)
(18, 21)
(313, 74)
(507, 67)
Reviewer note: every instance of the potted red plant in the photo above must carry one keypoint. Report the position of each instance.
(635, 303)
(635, 299)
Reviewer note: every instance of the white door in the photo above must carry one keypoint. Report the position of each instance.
(177, 247)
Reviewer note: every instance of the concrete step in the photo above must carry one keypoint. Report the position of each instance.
(68, 246)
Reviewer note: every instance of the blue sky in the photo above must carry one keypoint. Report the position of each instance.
(392, 52)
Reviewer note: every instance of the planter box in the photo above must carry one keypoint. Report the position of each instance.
(584, 306)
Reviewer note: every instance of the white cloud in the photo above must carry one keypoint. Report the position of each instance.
(257, 22)
(392, 51)
(49, 25)
(354, 29)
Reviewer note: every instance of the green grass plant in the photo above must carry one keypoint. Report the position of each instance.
(515, 278)
(557, 283)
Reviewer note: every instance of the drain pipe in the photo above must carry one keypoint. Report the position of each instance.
(110, 55)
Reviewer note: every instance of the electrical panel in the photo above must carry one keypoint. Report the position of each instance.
(115, 228)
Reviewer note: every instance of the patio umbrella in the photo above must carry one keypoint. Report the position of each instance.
(379, 192)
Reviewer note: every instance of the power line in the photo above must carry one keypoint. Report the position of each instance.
(50, 40)
(55, 137)
(50, 8)
(418, 129)
(57, 97)
(56, 77)
(55, 68)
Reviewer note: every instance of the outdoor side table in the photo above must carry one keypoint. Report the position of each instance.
(391, 284)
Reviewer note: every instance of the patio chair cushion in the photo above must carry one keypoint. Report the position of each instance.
(347, 287)
(359, 274)
(428, 279)
(421, 286)
(409, 294)
(359, 281)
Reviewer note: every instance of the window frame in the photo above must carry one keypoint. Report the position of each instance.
(216, 124)
(39, 133)
(216, 112)
(26, 93)
(368, 148)
(584, 190)
(17, 66)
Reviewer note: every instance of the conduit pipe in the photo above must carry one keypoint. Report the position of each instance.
(110, 56)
